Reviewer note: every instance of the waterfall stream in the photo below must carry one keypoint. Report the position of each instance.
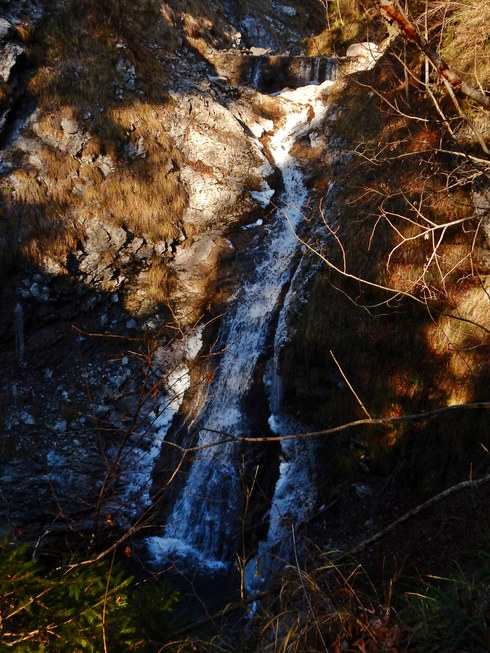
(206, 515)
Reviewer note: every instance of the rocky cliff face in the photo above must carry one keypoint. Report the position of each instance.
(124, 199)
(134, 170)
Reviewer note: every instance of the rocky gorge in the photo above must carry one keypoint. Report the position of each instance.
(177, 222)
(62, 315)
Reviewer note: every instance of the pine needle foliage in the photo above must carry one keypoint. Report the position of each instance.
(59, 610)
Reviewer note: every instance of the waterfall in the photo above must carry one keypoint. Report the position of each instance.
(295, 493)
(271, 73)
(316, 74)
(304, 71)
(256, 72)
(206, 516)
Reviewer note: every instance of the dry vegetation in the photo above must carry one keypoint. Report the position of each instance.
(346, 22)
(411, 171)
(123, 169)
(410, 210)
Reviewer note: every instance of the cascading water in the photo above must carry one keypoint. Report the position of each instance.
(269, 73)
(206, 516)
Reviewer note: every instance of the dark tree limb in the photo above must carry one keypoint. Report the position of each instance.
(473, 485)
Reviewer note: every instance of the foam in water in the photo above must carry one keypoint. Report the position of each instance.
(142, 449)
(205, 520)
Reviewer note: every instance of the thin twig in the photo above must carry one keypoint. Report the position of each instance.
(350, 386)
(106, 594)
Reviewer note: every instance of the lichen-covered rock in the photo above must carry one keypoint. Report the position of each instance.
(223, 161)
(196, 269)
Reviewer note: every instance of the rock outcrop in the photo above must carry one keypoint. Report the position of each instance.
(69, 395)
(223, 161)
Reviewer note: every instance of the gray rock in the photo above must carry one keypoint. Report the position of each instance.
(35, 290)
(6, 29)
(257, 32)
(287, 10)
(67, 141)
(69, 126)
(362, 491)
(105, 164)
(136, 150)
(126, 69)
(136, 245)
(222, 155)
(258, 52)
(9, 55)
(366, 50)
(60, 426)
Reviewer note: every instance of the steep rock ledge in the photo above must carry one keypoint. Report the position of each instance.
(70, 395)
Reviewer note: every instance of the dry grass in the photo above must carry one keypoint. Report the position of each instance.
(203, 27)
(108, 179)
(325, 608)
(4, 93)
(400, 358)
(157, 282)
(465, 38)
(348, 21)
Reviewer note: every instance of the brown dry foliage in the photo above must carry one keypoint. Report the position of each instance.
(75, 81)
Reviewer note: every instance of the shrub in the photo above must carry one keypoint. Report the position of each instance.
(44, 610)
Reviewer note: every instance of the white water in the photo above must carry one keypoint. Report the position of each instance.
(206, 516)
(144, 445)
(295, 493)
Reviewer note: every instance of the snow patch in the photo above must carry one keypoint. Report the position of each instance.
(264, 196)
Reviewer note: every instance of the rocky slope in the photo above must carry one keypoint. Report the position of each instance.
(123, 203)
(133, 168)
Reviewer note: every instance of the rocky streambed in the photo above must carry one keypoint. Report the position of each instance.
(95, 366)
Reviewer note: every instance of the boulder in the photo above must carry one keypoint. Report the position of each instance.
(9, 55)
(6, 29)
(223, 162)
(367, 50)
(196, 269)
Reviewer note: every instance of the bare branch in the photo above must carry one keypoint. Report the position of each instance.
(396, 293)
(391, 11)
(350, 386)
(415, 511)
